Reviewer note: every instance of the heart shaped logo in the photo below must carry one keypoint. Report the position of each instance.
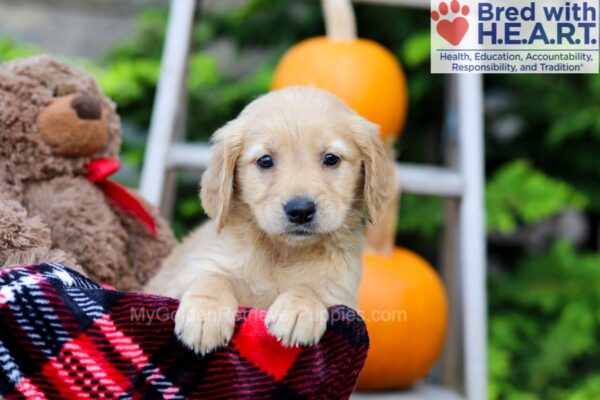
(451, 29)
(454, 31)
(256, 345)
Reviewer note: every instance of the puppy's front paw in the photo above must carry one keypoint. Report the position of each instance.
(204, 323)
(297, 320)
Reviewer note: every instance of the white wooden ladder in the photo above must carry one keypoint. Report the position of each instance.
(464, 367)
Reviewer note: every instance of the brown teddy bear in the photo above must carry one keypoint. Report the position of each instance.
(59, 140)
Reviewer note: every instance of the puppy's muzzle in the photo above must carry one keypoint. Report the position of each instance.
(300, 210)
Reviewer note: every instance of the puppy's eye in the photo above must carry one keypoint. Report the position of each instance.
(331, 160)
(265, 162)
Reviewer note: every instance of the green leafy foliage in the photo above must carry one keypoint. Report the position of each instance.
(420, 214)
(560, 131)
(417, 49)
(9, 50)
(545, 327)
(519, 193)
(125, 80)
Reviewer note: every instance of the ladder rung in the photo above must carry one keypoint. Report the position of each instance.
(414, 178)
(428, 180)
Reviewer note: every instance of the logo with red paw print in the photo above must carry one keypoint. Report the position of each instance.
(451, 23)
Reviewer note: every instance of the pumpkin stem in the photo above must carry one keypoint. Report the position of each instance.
(340, 23)
(381, 236)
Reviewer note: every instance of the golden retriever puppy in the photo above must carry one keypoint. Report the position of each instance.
(291, 183)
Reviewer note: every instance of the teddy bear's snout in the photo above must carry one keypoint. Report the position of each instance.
(74, 125)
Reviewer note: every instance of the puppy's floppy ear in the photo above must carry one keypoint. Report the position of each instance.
(378, 168)
(217, 182)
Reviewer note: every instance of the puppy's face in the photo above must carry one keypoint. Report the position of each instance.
(303, 163)
(299, 183)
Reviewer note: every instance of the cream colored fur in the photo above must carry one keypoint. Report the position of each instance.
(248, 254)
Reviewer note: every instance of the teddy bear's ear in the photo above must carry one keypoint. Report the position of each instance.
(217, 182)
(74, 125)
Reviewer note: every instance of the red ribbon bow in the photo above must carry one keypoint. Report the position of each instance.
(98, 172)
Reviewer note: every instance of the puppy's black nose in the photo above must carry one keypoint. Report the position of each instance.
(300, 210)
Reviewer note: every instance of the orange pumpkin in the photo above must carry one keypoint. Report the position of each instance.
(360, 72)
(405, 307)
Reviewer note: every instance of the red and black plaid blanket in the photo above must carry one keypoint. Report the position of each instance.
(64, 336)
